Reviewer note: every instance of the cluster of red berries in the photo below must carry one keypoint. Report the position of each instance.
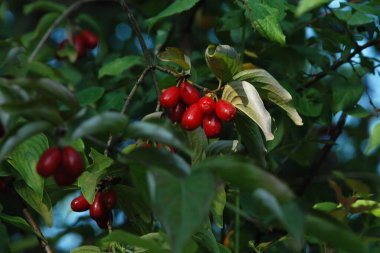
(100, 210)
(184, 104)
(82, 41)
(66, 164)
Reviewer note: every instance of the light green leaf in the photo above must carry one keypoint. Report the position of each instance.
(218, 205)
(119, 65)
(86, 249)
(176, 7)
(90, 95)
(173, 197)
(246, 99)
(24, 159)
(308, 5)
(47, 6)
(374, 139)
(372, 206)
(325, 206)
(223, 61)
(177, 56)
(41, 206)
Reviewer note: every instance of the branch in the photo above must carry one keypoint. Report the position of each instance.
(43, 242)
(67, 12)
(316, 165)
(147, 56)
(339, 63)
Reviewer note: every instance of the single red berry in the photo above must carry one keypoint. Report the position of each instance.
(170, 97)
(225, 110)
(80, 204)
(78, 44)
(206, 104)
(109, 199)
(189, 94)
(212, 126)
(49, 162)
(60, 46)
(62, 179)
(192, 118)
(89, 38)
(97, 209)
(72, 162)
(175, 113)
(103, 221)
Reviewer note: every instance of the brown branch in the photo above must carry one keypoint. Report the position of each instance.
(316, 165)
(147, 55)
(43, 242)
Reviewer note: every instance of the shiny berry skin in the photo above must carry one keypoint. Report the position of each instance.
(170, 97)
(103, 221)
(175, 113)
(109, 199)
(62, 179)
(80, 204)
(212, 126)
(189, 94)
(206, 104)
(72, 162)
(60, 46)
(89, 38)
(49, 162)
(192, 118)
(78, 44)
(225, 110)
(97, 209)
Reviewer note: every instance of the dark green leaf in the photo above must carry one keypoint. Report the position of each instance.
(43, 6)
(224, 147)
(4, 239)
(359, 18)
(119, 65)
(217, 207)
(223, 61)
(311, 103)
(18, 222)
(89, 95)
(86, 249)
(43, 69)
(207, 239)
(346, 94)
(198, 143)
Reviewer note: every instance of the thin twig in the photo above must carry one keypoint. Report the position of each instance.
(43, 242)
(144, 48)
(316, 165)
(67, 12)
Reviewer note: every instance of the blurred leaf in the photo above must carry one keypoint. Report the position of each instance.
(359, 18)
(311, 103)
(18, 222)
(325, 206)
(308, 5)
(231, 20)
(43, 6)
(264, 18)
(246, 99)
(112, 100)
(223, 61)
(4, 239)
(224, 147)
(43, 70)
(334, 234)
(372, 206)
(207, 239)
(106, 122)
(42, 206)
(374, 138)
(198, 143)
(86, 249)
(89, 95)
(43, 24)
(24, 159)
(173, 197)
(177, 56)
(217, 207)
(346, 94)
(119, 65)
(23, 133)
(175, 8)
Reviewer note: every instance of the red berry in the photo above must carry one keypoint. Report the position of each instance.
(192, 118)
(146, 145)
(170, 97)
(175, 113)
(78, 44)
(80, 204)
(72, 162)
(206, 104)
(60, 46)
(61, 178)
(102, 223)
(49, 162)
(189, 94)
(97, 209)
(225, 110)
(109, 199)
(212, 126)
(89, 38)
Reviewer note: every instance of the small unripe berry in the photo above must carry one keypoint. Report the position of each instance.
(225, 110)
(170, 97)
(189, 94)
(192, 117)
(49, 162)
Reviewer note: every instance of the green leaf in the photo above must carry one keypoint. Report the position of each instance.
(217, 207)
(374, 138)
(176, 7)
(43, 24)
(24, 159)
(325, 206)
(86, 249)
(231, 20)
(155, 132)
(264, 18)
(198, 143)
(334, 234)
(23, 133)
(231, 169)
(106, 122)
(308, 5)
(223, 61)
(119, 65)
(310, 103)
(247, 100)
(41, 206)
(173, 197)
(177, 56)
(223, 147)
(271, 90)
(47, 6)
(346, 94)
(125, 238)
(18, 222)
(4, 239)
(89, 95)
(43, 69)
(359, 18)
(207, 239)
